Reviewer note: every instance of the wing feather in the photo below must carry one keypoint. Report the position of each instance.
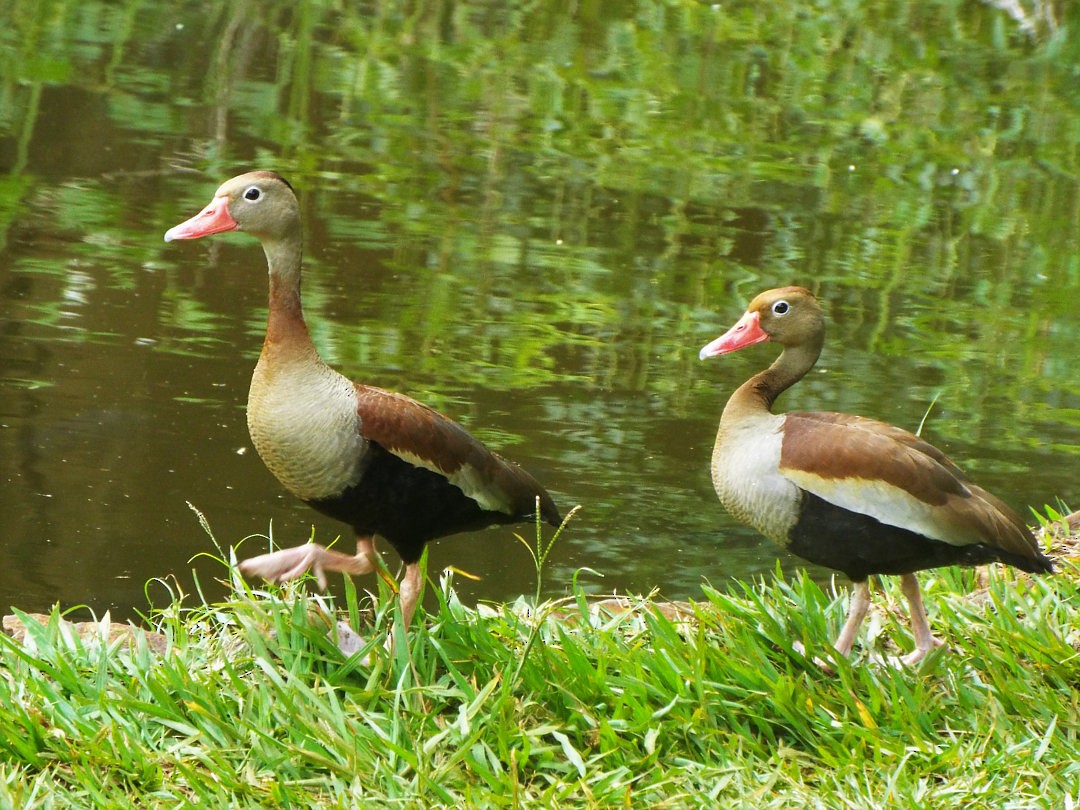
(892, 475)
(425, 438)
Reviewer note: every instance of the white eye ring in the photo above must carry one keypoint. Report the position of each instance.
(781, 308)
(253, 194)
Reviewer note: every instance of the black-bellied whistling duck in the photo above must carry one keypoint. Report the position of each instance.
(849, 493)
(376, 460)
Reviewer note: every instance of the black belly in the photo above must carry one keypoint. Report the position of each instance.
(406, 505)
(859, 545)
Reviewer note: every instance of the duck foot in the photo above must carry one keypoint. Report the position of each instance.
(292, 563)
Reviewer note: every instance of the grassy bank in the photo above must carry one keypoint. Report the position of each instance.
(251, 704)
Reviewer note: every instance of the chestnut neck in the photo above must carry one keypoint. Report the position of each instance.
(758, 394)
(285, 327)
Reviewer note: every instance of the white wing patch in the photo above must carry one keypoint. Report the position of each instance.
(467, 478)
(884, 502)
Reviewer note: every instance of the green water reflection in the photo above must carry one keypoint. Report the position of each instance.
(530, 216)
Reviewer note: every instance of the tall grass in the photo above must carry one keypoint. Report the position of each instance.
(542, 705)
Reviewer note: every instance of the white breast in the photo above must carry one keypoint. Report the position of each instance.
(303, 421)
(745, 473)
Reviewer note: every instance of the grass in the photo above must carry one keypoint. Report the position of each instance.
(252, 705)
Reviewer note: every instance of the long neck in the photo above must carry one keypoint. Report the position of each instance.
(285, 327)
(758, 394)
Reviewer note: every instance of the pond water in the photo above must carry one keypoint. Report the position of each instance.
(530, 217)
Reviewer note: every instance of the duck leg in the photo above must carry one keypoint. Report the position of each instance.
(858, 604)
(290, 563)
(925, 640)
(409, 592)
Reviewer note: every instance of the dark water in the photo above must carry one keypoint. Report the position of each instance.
(531, 220)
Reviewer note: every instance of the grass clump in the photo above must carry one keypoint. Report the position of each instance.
(250, 703)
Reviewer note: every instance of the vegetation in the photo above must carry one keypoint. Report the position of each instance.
(250, 703)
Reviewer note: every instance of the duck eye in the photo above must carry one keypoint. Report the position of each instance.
(781, 308)
(252, 193)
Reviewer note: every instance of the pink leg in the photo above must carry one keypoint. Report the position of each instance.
(290, 563)
(409, 592)
(858, 604)
(925, 640)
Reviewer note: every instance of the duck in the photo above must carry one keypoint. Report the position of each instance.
(381, 462)
(846, 492)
